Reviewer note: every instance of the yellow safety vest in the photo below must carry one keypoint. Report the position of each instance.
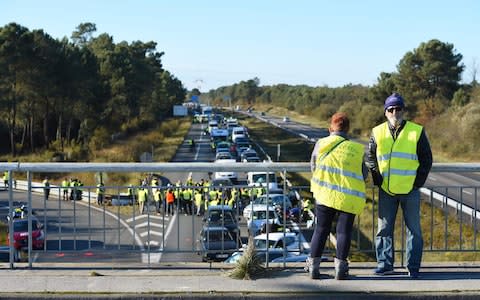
(397, 159)
(337, 181)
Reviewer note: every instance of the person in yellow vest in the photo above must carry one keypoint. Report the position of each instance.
(198, 201)
(65, 185)
(142, 198)
(187, 201)
(100, 193)
(157, 197)
(213, 197)
(5, 179)
(338, 186)
(399, 158)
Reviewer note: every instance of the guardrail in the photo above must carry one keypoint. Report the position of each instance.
(85, 228)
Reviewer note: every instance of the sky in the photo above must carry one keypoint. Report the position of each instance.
(209, 44)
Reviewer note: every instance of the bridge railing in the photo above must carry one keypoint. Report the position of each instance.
(116, 231)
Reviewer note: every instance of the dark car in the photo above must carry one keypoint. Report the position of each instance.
(216, 243)
(223, 216)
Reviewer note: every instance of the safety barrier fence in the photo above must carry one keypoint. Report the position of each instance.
(80, 230)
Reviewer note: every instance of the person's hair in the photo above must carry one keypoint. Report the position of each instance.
(339, 122)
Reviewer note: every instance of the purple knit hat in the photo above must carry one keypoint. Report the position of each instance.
(394, 100)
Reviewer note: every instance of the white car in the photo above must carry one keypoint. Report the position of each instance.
(233, 176)
(259, 216)
(292, 241)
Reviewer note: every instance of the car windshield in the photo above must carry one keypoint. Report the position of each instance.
(218, 235)
(23, 226)
(263, 177)
(262, 244)
(262, 215)
(277, 200)
(219, 217)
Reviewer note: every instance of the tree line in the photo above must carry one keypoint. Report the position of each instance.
(428, 77)
(57, 93)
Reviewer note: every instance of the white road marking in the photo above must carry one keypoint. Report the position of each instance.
(145, 224)
(432, 178)
(145, 233)
(152, 243)
(146, 216)
(467, 192)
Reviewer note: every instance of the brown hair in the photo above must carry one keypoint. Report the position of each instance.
(339, 122)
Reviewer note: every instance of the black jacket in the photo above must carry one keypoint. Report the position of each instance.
(424, 154)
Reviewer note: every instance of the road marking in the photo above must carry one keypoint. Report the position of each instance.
(432, 178)
(146, 216)
(145, 233)
(199, 144)
(467, 192)
(152, 243)
(145, 224)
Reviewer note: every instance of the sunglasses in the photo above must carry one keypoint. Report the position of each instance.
(395, 108)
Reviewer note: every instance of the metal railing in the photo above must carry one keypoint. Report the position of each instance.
(76, 231)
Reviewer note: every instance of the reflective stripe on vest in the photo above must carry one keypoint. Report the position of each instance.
(337, 181)
(397, 159)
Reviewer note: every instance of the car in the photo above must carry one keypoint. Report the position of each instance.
(221, 182)
(233, 176)
(260, 215)
(274, 200)
(222, 215)
(216, 243)
(252, 159)
(238, 132)
(20, 235)
(292, 241)
(273, 255)
(240, 147)
(286, 119)
(223, 146)
(223, 155)
(248, 154)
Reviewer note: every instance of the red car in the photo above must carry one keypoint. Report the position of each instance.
(20, 234)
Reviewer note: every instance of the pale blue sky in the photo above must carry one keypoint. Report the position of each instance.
(312, 42)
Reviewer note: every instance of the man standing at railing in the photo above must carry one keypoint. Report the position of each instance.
(399, 158)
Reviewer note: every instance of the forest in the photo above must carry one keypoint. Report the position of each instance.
(78, 92)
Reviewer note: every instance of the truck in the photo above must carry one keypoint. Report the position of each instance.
(180, 111)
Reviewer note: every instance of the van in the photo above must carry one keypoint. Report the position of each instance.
(238, 132)
(260, 179)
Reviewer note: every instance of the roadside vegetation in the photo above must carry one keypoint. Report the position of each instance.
(441, 226)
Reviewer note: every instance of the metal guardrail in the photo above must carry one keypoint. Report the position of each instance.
(153, 253)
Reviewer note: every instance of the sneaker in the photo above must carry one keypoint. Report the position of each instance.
(382, 271)
(413, 274)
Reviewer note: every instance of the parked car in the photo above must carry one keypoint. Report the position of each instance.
(273, 255)
(274, 200)
(20, 236)
(292, 241)
(233, 176)
(261, 215)
(224, 216)
(286, 119)
(216, 243)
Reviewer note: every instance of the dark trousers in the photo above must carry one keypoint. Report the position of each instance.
(325, 216)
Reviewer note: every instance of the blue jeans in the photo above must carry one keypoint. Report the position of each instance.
(387, 212)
